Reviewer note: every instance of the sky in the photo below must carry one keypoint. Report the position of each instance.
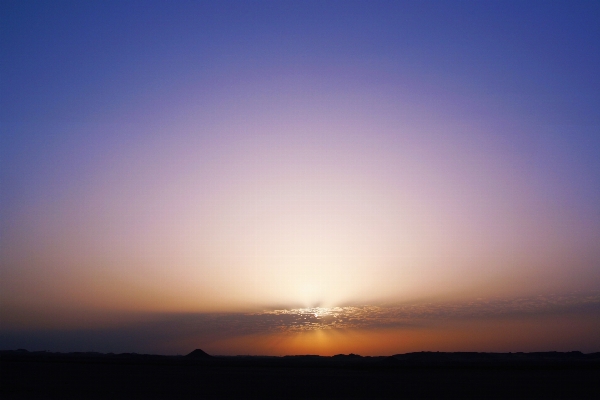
(300, 177)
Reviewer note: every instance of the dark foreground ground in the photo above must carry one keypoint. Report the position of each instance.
(43, 375)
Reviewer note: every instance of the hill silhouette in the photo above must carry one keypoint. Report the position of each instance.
(198, 354)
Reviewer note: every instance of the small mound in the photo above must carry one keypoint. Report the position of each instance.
(198, 354)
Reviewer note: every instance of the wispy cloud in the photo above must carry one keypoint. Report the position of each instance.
(161, 330)
(369, 317)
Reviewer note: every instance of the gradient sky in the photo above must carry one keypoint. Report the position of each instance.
(300, 177)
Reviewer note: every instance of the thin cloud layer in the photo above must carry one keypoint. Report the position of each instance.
(164, 329)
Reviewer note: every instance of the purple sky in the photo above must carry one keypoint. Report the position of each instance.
(162, 159)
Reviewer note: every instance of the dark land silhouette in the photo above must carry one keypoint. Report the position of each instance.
(198, 375)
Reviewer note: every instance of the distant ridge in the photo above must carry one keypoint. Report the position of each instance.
(351, 355)
(198, 354)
